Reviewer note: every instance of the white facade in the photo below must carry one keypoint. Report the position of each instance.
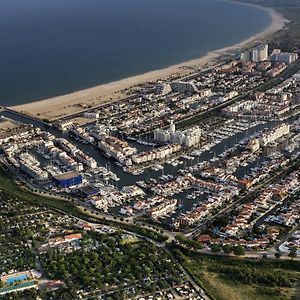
(284, 57)
(157, 153)
(187, 138)
(260, 53)
(91, 115)
(274, 134)
(183, 87)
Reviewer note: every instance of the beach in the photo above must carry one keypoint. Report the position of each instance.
(60, 106)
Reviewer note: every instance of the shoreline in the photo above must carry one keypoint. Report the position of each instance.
(75, 102)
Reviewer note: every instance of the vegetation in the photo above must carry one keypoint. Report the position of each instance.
(233, 278)
(289, 39)
(154, 235)
(16, 191)
(24, 295)
(13, 190)
(239, 250)
(105, 262)
(189, 243)
(22, 227)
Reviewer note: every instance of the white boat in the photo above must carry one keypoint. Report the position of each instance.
(107, 154)
(174, 163)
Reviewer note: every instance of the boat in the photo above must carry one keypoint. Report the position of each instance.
(182, 172)
(174, 163)
(141, 184)
(106, 154)
(115, 177)
(126, 170)
(137, 172)
(130, 138)
(145, 143)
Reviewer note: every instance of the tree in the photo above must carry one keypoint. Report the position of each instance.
(278, 255)
(293, 252)
(239, 250)
(227, 249)
(221, 221)
(215, 248)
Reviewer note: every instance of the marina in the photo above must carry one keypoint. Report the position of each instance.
(110, 177)
(133, 150)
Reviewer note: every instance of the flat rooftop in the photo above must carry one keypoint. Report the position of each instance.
(8, 128)
(67, 175)
(88, 189)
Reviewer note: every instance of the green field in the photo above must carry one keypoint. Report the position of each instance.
(244, 279)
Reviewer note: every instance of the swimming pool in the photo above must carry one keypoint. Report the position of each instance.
(16, 278)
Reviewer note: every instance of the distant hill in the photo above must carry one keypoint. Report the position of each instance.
(274, 3)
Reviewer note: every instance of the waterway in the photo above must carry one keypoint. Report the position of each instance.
(129, 179)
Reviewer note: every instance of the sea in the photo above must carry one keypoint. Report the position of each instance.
(54, 47)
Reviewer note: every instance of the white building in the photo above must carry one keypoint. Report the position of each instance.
(284, 57)
(274, 134)
(164, 89)
(245, 56)
(260, 53)
(253, 145)
(184, 87)
(157, 153)
(91, 115)
(187, 138)
(162, 209)
(65, 126)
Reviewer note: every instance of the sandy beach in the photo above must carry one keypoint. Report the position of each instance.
(60, 106)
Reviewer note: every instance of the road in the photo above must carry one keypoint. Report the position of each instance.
(156, 243)
(257, 255)
(78, 114)
(275, 249)
(239, 201)
(169, 234)
(23, 115)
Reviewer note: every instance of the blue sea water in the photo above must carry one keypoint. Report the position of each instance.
(53, 47)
